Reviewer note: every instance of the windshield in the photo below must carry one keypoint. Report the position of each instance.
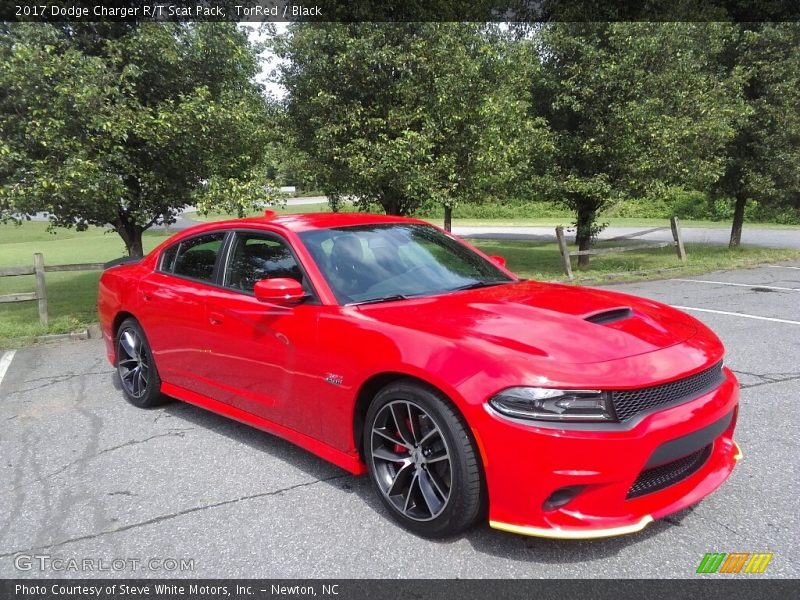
(393, 261)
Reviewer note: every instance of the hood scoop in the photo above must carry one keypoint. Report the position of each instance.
(604, 317)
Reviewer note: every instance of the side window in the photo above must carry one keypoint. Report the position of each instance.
(167, 263)
(196, 257)
(254, 257)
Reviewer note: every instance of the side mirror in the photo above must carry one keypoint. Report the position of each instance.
(498, 260)
(282, 291)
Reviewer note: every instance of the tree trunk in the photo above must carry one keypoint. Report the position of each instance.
(392, 204)
(131, 234)
(583, 235)
(135, 247)
(448, 218)
(738, 222)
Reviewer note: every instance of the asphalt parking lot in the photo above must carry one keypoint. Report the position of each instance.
(84, 475)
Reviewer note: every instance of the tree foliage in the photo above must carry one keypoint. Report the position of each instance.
(762, 158)
(404, 114)
(127, 123)
(632, 107)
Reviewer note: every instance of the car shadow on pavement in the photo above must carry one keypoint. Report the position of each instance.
(501, 544)
(259, 440)
(482, 538)
(319, 469)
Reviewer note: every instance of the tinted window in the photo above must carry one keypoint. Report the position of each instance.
(195, 257)
(255, 257)
(371, 262)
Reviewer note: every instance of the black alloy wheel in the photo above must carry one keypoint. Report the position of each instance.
(422, 461)
(137, 372)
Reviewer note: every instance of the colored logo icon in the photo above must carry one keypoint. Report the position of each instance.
(736, 562)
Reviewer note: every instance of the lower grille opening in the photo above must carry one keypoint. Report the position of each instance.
(665, 475)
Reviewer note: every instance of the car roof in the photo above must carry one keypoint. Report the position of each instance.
(309, 221)
(272, 221)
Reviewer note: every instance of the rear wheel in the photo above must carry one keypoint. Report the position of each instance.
(138, 376)
(422, 460)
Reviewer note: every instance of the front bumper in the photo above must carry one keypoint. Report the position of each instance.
(525, 464)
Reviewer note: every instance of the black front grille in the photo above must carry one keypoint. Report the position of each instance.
(629, 403)
(663, 476)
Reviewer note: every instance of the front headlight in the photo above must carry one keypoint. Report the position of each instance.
(547, 404)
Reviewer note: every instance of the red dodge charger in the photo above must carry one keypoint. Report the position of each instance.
(386, 345)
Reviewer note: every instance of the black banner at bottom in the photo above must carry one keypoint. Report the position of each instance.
(400, 589)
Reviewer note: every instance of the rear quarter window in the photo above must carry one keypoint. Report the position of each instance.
(195, 257)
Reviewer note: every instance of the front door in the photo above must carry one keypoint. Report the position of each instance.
(259, 351)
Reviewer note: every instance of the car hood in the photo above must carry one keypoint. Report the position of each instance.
(564, 323)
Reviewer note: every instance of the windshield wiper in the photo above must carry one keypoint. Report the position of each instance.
(478, 284)
(381, 299)
(392, 297)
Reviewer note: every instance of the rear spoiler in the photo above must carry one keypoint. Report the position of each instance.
(125, 260)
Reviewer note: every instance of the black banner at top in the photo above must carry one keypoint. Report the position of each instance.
(399, 10)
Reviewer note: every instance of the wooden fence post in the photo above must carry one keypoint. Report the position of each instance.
(676, 235)
(448, 218)
(41, 288)
(562, 246)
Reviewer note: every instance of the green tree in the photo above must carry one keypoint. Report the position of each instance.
(632, 107)
(124, 124)
(762, 159)
(403, 114)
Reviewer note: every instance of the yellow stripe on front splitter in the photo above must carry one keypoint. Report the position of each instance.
(587, 534)
(573, 534)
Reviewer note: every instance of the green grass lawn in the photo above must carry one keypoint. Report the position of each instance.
(541, 260)
(72, 296)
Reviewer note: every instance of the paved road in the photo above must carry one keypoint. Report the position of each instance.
(752, 236)
(85, 475)
(769, 238)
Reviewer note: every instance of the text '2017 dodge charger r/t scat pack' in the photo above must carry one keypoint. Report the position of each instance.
(386, 345)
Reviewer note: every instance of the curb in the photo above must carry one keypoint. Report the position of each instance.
(92, 332)
(58, 337)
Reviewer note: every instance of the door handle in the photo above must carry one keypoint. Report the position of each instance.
(146, 297)
(215, 318)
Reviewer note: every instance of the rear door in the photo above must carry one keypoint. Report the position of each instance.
(173, 309)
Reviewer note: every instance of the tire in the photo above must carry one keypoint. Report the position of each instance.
(137, 371)
(422, 460)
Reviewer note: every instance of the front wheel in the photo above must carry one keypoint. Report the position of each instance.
(422, 460)
(137, 372)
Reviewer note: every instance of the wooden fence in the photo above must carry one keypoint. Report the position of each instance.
(39, 269)
(677, 242)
